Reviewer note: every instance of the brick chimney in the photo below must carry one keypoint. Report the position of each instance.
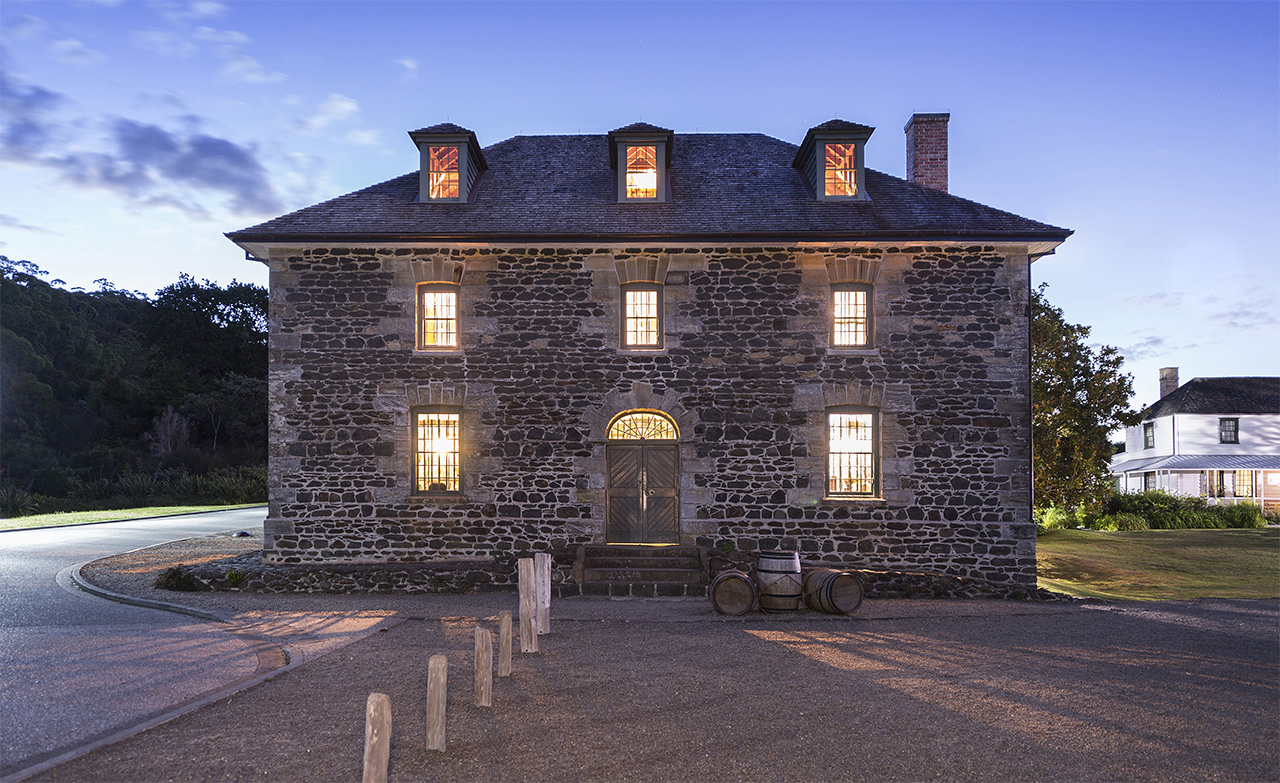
(927, 150)
(1168, 381)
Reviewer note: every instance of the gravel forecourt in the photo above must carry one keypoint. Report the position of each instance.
(666, 690)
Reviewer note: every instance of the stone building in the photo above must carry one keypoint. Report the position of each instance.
(721, 341)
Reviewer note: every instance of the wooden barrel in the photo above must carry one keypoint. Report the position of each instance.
(779, 576)
(831, 591)
(733, 592)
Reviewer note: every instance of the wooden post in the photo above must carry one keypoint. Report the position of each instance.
(542, 583)
(528, 608)
(504, 643)
(484, 668)
(377, 737)
(437, 693)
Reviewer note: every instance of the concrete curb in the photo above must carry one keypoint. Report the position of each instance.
(79, 580)
(128, 519)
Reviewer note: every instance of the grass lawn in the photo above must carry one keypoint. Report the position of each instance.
(1161, 564)
(84, 517)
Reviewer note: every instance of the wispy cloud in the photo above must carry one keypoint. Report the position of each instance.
(164, 43)
(410, 66)
(221, 37)
(73, 52)
(9, 221)
(246, 69)
(143, 162)
(1147, 348)
(23, 27)
(1159, 298)
(335, 108)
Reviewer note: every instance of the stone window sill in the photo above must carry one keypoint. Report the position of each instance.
(853, 499)
(440, 498)
(642, 351)
(437, 352)
(853, 351)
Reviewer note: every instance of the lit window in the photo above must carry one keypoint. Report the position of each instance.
(851, 461)
(1148, 482)
(437, 316)
(436, 452)
(841, 170)
(1149, 435)
(1243, 484)
(851, 322)
(443, 173)
(1228, 430)
(642, 316)
(642, 172)
(641, 425)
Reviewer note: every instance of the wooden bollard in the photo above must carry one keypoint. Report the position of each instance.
(484, 668)
(437, 694)
(542, 585)
(528, 608)
(377, 737)
(504, 643)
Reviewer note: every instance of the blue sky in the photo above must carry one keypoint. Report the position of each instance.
(134, 134)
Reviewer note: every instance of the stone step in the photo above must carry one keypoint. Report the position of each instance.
(630, 550)
(655, 561)
(634, 590)
(687, 576)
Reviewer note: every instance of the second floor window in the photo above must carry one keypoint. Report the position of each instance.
(851, 316)
(437, 316)
(642, 315)
(1228, 430)
(1149, 435)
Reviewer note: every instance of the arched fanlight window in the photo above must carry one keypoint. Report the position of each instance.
(643, 425)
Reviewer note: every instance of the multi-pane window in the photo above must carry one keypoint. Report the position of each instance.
(436, 451)
(851, 311)
(1228, 430)
(437, 316)
(1230, 483)
(851, 452)
(1149, 435)
(1148, 482)
(642, 425)
(840, 171)
(642, 172)
(642, 316)
(442, 173)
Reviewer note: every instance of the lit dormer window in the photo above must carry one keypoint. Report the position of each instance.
(442, 172)
(642, 172)
(640, 155)
(451, 163)
(831, 161)
(841, 170)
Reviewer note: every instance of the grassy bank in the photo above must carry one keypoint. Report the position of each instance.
(85, 517)
(1161, 564)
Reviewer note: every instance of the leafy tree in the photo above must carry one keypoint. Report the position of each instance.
(1078, 396)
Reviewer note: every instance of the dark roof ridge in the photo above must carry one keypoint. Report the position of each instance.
(1242, 394)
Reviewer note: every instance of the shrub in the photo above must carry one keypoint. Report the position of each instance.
(1056, 518)
(1163, 511)
(175, 578)
(16, 501)
(1240, 515)
(1122, 522)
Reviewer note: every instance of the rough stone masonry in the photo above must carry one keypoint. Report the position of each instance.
(746, 372)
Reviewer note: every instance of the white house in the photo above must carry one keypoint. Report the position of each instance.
(1214, 437)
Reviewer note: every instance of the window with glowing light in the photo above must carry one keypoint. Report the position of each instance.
(852, 469)
(841, 170)
(642, 425)
(851, 315)
(642, 315)
(436, 451)
(442, 173)
(437, 316)
(642, 172)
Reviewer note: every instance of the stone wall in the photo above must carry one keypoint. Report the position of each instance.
(746, 372)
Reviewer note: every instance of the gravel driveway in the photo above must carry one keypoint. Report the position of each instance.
(665, 690)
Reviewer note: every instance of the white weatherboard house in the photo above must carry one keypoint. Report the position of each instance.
(1214, 437)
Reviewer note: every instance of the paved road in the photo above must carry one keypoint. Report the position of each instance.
(75, 667)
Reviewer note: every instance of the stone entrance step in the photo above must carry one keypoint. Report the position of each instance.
(641, 571)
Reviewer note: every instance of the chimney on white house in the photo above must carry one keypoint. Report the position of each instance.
(927, 150)
(1168, 381)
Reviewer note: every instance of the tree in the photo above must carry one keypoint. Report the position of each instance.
(1078, 397)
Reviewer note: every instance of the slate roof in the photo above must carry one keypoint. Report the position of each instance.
(1220, 396)
(723, 186)
(445, 127)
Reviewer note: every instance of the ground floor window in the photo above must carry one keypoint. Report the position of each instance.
(436, 450)
(1229, 483)
(1148, 481)
(852, 466)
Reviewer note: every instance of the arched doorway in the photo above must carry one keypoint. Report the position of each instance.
(643, 479)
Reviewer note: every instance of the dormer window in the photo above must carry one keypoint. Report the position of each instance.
(642, 172)
(841, 170)
(830, 160)
(442, 172)
(451, 163)
(640, 155)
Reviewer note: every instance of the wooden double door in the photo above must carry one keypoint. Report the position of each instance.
(642, 496)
